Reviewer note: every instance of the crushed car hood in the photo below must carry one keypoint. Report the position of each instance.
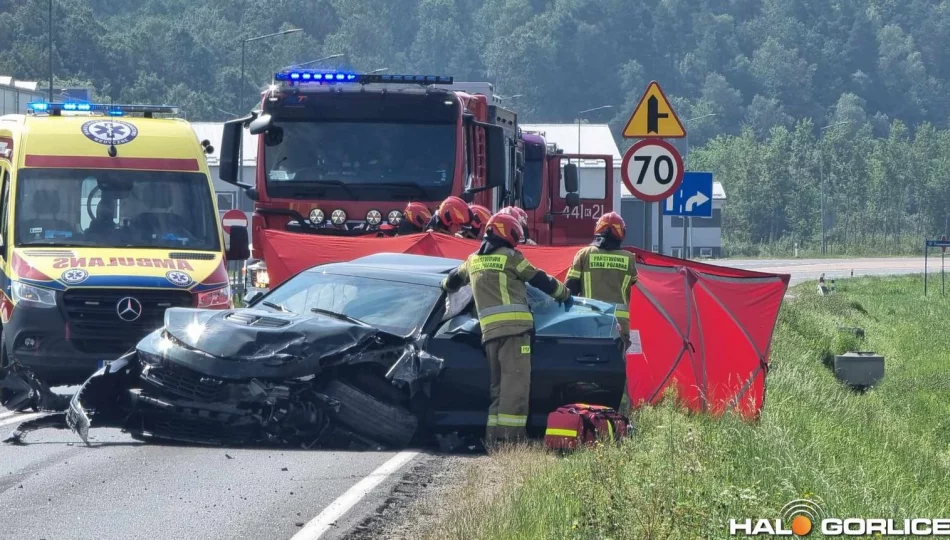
(245, 343)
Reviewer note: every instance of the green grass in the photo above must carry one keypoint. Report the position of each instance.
(884, 453)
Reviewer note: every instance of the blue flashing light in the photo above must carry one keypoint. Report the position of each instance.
(305, 75)
(111, 110)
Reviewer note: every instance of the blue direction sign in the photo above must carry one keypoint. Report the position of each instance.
(693, 198)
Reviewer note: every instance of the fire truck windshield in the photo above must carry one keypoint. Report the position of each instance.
(362, 161)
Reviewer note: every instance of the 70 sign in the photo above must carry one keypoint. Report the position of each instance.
(652, 170)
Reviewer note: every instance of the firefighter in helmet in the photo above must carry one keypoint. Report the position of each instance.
(451, 216)
(523, 219)
(480, 216)
(605, 272)
(414, 220)
(498, 273)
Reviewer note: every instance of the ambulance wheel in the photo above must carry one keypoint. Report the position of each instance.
(370, 417)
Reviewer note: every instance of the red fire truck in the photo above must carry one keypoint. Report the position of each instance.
(342, 153)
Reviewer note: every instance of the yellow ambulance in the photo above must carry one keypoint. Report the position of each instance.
(107, 217)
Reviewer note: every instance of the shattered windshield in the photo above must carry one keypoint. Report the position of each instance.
(362, 160)
(395, 307)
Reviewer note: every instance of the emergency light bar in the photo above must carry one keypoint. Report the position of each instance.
(297, 76)
(112, 110)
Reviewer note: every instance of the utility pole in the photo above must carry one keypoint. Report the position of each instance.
(50, 50)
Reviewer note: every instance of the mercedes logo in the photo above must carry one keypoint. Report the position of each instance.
(129, 309)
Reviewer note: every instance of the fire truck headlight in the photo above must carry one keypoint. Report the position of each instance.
(338, 217)
(374, 217)
(316, 216)
(394, 217)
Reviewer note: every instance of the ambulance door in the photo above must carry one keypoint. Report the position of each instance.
(574, 225)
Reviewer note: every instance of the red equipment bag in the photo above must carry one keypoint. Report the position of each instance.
(582, 423)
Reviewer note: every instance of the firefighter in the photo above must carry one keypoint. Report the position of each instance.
(605, 272)
(523, 219)
(414, 220)
(498, 273)
(480, 216)
(450, 216)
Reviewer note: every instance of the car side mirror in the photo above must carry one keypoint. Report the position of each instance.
(571, 184)
(252, 297)
(239, 250)
(573, 200)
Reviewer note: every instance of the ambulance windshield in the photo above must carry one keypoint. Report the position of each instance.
(362, 161)
(100, 208)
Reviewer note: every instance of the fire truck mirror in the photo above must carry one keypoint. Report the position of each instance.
(519, 159)
(274, 136)
(573, 200)
(230, 148)
(261, 124)
(570, 178)
(497, 166)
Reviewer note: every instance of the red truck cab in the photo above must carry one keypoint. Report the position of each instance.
(343, 153)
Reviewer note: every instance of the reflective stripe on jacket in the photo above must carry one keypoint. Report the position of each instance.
(605, 275)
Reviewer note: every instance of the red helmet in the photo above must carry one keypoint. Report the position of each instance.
(454, 212)
(518, 213)
(417, 214)
(505, 226)
(480, 216)
(611, 224)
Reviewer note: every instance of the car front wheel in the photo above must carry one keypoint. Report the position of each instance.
(368, 416)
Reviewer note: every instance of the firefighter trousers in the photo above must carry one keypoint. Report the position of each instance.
(509, 361)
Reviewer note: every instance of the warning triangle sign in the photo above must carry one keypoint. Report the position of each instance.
(654, 117)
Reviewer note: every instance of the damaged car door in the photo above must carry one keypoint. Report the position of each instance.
(576, 357)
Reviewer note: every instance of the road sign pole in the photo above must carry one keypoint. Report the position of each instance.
(943, 282)
(683, 253)
(925, 267)
(646, 226)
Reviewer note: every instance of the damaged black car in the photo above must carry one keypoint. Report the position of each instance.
(371, 352)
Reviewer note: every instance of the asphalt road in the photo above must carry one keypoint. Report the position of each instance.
(55, 488)
(811, 269)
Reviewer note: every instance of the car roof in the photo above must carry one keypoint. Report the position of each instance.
(402, 267)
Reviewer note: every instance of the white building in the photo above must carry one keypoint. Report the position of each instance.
(14, 95)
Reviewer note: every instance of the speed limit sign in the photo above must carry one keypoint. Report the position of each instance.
(652, 170)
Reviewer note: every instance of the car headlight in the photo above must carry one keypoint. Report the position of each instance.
(338, 217)
(216, 299)
(316, 216)
(36, 296)
(374, 217)
(394, 217)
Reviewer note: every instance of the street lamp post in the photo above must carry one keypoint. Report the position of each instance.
(244, 43)
(317, 61)
(579, 113)
(50, 50)
(687, 222)
(821, 176)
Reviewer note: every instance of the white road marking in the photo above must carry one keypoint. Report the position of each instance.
(6, 414)
(17, 418)
(355, 494)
